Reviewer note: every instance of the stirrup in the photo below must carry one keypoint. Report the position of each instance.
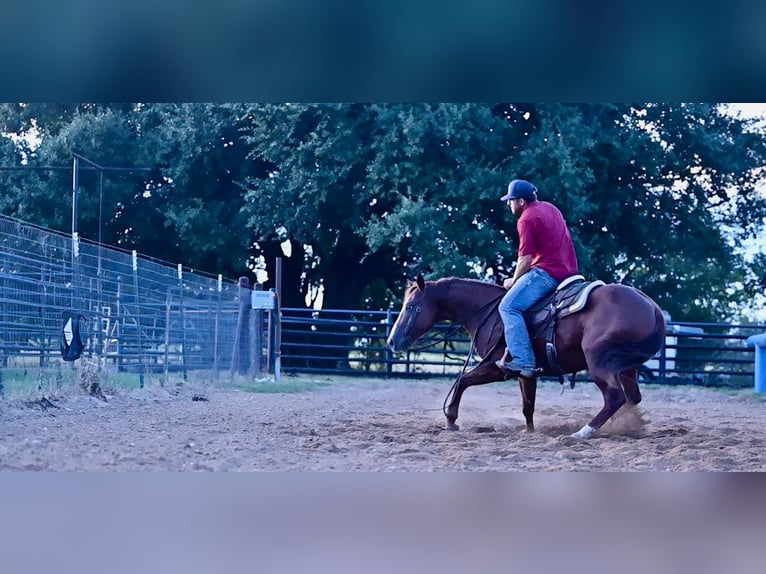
(524, 372)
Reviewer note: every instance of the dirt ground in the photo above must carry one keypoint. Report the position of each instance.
(394, 425)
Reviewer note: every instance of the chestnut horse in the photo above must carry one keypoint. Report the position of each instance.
(616, 332)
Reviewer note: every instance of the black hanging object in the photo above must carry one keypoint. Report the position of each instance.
(71, 342)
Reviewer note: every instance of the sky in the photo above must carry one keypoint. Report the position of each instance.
(750, 110)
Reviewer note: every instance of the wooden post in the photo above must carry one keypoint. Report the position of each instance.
(277, 314)
(258, 337)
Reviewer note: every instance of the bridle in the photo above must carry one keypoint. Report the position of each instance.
(435, 340)
(412, 317)
(414, 311)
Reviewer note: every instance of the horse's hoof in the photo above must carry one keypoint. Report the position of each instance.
(452, 426)
(584, 433)
(530, 428)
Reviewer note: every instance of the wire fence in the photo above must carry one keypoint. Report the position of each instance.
(141, 320)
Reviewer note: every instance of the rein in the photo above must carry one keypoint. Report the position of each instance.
(435, 340)
(432, 341)
(471, 351)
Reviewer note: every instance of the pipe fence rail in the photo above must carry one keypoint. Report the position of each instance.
(354, 342)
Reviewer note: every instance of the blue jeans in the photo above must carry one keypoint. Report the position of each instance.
(526, 291)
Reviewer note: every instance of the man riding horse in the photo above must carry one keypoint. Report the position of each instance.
(608, 329)
(546, 257)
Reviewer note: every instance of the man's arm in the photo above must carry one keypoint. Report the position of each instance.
(523, 264)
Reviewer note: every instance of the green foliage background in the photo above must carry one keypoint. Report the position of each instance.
(659, 196)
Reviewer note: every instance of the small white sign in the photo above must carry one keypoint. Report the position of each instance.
(262, 300)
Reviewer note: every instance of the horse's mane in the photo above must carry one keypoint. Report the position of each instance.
(445, 285)
(442, 286)
(446, 282)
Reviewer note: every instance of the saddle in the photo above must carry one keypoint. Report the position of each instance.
(570, 296)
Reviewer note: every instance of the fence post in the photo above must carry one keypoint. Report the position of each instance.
(217, 326)
(183, 321)
(141, 366)
(41, 316)
(3, 313)
(240, 358)
(389, 354)
(759, 342)
(258, 336)
(270, 340)
(277, 313)
(168, 305)
(120, 326)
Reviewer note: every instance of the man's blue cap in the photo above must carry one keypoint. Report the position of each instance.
(520, 189)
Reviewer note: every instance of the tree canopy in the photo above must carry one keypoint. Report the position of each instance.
(657, 195)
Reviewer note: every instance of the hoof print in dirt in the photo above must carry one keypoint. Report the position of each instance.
(47, 404)
(89, 382)
(42, 403)
(96, 391)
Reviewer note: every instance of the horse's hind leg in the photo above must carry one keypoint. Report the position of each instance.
(528, 394)
(629, 381)
(614, 398)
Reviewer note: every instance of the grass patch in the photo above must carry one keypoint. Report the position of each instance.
(285, 385)
(299, 383)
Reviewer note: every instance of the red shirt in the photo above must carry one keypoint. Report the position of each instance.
(544, 235)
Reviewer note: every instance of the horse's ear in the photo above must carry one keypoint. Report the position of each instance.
(420, 281)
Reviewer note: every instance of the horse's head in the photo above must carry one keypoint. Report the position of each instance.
(417, 316)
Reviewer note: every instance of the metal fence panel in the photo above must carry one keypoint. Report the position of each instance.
(354, 342)
(142, 318)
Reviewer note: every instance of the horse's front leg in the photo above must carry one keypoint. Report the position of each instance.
(484, 372)
(452, 408)
(528, 388)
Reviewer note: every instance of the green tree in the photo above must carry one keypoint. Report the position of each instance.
(48, 135)
(196, 202)
(377, 192)
(675, 191)
(185, 209)
(656, 195)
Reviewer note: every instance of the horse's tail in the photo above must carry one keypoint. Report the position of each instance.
(633, 354)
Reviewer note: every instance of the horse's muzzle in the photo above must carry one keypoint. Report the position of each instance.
(398, 343)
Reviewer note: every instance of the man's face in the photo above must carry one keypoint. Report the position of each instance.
(516, 205)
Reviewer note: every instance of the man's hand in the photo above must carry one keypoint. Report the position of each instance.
(523, 264)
